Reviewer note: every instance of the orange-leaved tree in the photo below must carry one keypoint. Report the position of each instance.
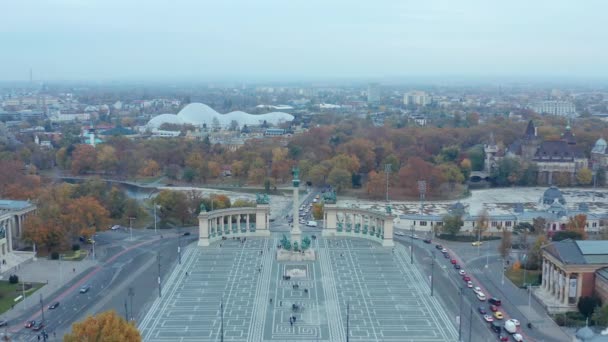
(106, 326)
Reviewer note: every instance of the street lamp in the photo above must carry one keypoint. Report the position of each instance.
(131, 295)
(159, 288)
(461, 293)
(432, 272)
(179, 245)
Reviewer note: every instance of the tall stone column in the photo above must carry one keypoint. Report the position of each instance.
(566, 288)
(247, 223)
(296, 233)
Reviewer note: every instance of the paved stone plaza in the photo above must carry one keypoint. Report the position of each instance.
(389, 300)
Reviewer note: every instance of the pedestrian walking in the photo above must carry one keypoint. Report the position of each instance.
(74, 270)
(280, 303)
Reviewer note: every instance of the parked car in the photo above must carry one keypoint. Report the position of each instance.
(3, 323)
(115, 227)
(439, 247)
(54, 306)
(188, 233)
(488, 318)
(427, 240)
(29, 324)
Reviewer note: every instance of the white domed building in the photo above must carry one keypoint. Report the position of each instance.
(199, 114)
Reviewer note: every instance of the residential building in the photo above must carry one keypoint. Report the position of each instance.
(417, 98)
(373, 93)
(560, 108)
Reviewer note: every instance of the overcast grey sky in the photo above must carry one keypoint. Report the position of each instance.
(282, 39)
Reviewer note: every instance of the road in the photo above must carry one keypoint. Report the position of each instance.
(473, 260)
(124, 264)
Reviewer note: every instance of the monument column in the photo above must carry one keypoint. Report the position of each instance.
(296, 233)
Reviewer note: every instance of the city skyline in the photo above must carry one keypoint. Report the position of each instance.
(186, 40)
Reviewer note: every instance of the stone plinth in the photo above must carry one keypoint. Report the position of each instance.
(285, 255)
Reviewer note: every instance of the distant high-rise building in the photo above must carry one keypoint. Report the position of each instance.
(418, 98)
(373, 93)
(560, 108)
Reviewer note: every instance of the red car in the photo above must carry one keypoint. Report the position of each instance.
(453, 261)
(503, 338)
(29, 324)
(493, 308)
(466, 278)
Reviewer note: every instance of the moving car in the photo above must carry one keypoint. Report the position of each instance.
(496, 327)
(439, 247)
(456, 266)
(476, 243)
(477, 289)
(518, 337)
(493, 308)
(514, 321)
(443, 250)
(498, 315)
(188, 233)
(446, 255)
(29, 324)
(510, 326)
(481, 296)
(453, 261)
(39, 325)
(469, 284)
(85, 288)
(311, 224)
(467, 279)
(494, 301)
(115, 227)
(53, 306)
(488, 318)
(399, 234)
(503, 338)
(3, 323)
(482, 310)
(462, 272)
(427, 240)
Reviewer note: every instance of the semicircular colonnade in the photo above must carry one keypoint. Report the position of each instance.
(361, 223)
(233, 222)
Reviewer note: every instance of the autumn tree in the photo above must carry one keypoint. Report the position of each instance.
(173, 206)
(240, 202)
(149, 169)
(84, 216)
(505, 243)
(339, 179)
(452, 224)
(84, 159)
(482, 223)
(106, 159)
(578, 224)
(317, 211)
(376, 184)
(417, 169)
(107, 326)
(584, 176)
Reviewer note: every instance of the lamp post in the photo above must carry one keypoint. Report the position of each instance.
(432, 272)
(388, 168)
(222, 320)
(347, 321)
(154, 203)
(412, 246)
(461, 293)
(159, 288)
(131, 295)
(179, 245)
(42, 307)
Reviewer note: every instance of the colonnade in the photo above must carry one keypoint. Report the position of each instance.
(556, 282)
(362, 223)
(237, 222)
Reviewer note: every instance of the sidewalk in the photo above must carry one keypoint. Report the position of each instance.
(52, 272)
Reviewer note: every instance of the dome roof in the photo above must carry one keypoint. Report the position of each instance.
(158, 120)
(199, 114)
(600, 146)
(552, 194)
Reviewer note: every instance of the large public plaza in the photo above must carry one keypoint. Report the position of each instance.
(387, 298)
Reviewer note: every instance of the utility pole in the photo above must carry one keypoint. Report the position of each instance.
(154, 203)
(179, 245)
(460, 316)
(388, 168)
(432, 272)
(23, 293)
(131, 226)
(93, 249)
(42, 307)
(470, 322)
(347, 323)
(126, 311)
(487, 254)
(222, 320)
(159, 289)
(412, 246)
(131, 295)
(60, 271)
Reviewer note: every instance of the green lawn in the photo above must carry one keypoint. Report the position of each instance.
(517, 277)
(75, 255)
(8, 293)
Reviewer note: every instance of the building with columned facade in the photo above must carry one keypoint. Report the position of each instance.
(12, 217)
(570, 271)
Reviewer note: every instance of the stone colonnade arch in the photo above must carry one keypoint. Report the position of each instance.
(233, 222)
(352, 222)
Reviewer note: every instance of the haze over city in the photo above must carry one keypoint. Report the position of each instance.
(302, 40)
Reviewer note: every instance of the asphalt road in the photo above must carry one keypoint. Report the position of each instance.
(124, 264)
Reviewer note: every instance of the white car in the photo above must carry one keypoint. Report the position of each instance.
(443, 250)
(399, 234)
(488, 318)
(116, 227)
(469, 284)
(477, 289)
(462, 272)
(516, 322)
(518, 337)
(481, 296)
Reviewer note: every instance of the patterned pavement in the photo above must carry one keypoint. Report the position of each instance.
(387, 299)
